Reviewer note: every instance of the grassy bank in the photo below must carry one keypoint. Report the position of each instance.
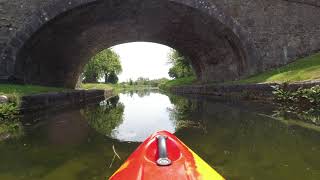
(10, 89)
(115, 87)
(97, 86)
(304, 69)
(9, 112)
(178, 82)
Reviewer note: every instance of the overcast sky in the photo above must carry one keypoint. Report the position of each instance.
(142, 59)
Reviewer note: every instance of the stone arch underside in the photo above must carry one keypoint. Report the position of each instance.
(56, 54)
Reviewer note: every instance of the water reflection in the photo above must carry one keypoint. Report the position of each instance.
(181, 113)
(67, 129)
(131, 116)
(245, 144)
(308, 116)
(13, 130)
(242, 140)
(106, 116)
(141, 92)
(144, 114)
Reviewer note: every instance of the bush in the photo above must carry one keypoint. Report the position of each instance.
(8, 112)
(310, 96)
(301, 98)
(9, 120)
(303, 103)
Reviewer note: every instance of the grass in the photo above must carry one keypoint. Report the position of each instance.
(304, 69)
(20, 90)
(97, 86)
(115, 87)
(178, 82)
(9, 111)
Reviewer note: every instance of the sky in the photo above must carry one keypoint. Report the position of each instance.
(143, 59)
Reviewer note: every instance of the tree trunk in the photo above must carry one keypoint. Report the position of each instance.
(106, 78)
(91, 79)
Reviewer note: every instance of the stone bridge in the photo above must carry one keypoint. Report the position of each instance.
(48, 42)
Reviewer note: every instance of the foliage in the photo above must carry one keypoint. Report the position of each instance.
(130, 82)
(12, 129)
(300, 70)
(111, 78)
(9, 118)
(104, 64)
(97, 86)
(304, 103)
(141, 81)
(177, 82)
(116, 88)
(106, 117)
(8, 112)
(308, 97)
(181, 65)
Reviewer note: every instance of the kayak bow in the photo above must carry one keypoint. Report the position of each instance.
(163, 156)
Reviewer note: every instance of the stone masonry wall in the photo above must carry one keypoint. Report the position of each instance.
(62, 100)
(243, 91)
(280, 30)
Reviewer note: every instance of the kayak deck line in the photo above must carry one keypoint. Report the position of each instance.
(179, 161)
(163, 159)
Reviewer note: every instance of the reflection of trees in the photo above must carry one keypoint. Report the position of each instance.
(12, 129)
(141, 92)
(106, 117)
(310, 116)
(10, 125)
(185, 113)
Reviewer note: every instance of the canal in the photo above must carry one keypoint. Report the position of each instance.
(241, 140)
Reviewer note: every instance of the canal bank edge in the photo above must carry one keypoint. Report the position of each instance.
(243, 91)
(30, 105)
(60, 100)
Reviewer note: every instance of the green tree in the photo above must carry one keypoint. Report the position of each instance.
(130, 82)
(103, 64)
(181, 65)
(112, 78)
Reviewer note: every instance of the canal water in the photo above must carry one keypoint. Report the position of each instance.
(241, 140)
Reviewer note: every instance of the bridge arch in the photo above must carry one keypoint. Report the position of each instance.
(54, 46)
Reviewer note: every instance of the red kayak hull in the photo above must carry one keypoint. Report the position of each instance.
(186, 165)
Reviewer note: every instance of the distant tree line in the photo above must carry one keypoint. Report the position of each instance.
(141, 81)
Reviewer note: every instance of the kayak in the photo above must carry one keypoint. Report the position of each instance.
(162, 156)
